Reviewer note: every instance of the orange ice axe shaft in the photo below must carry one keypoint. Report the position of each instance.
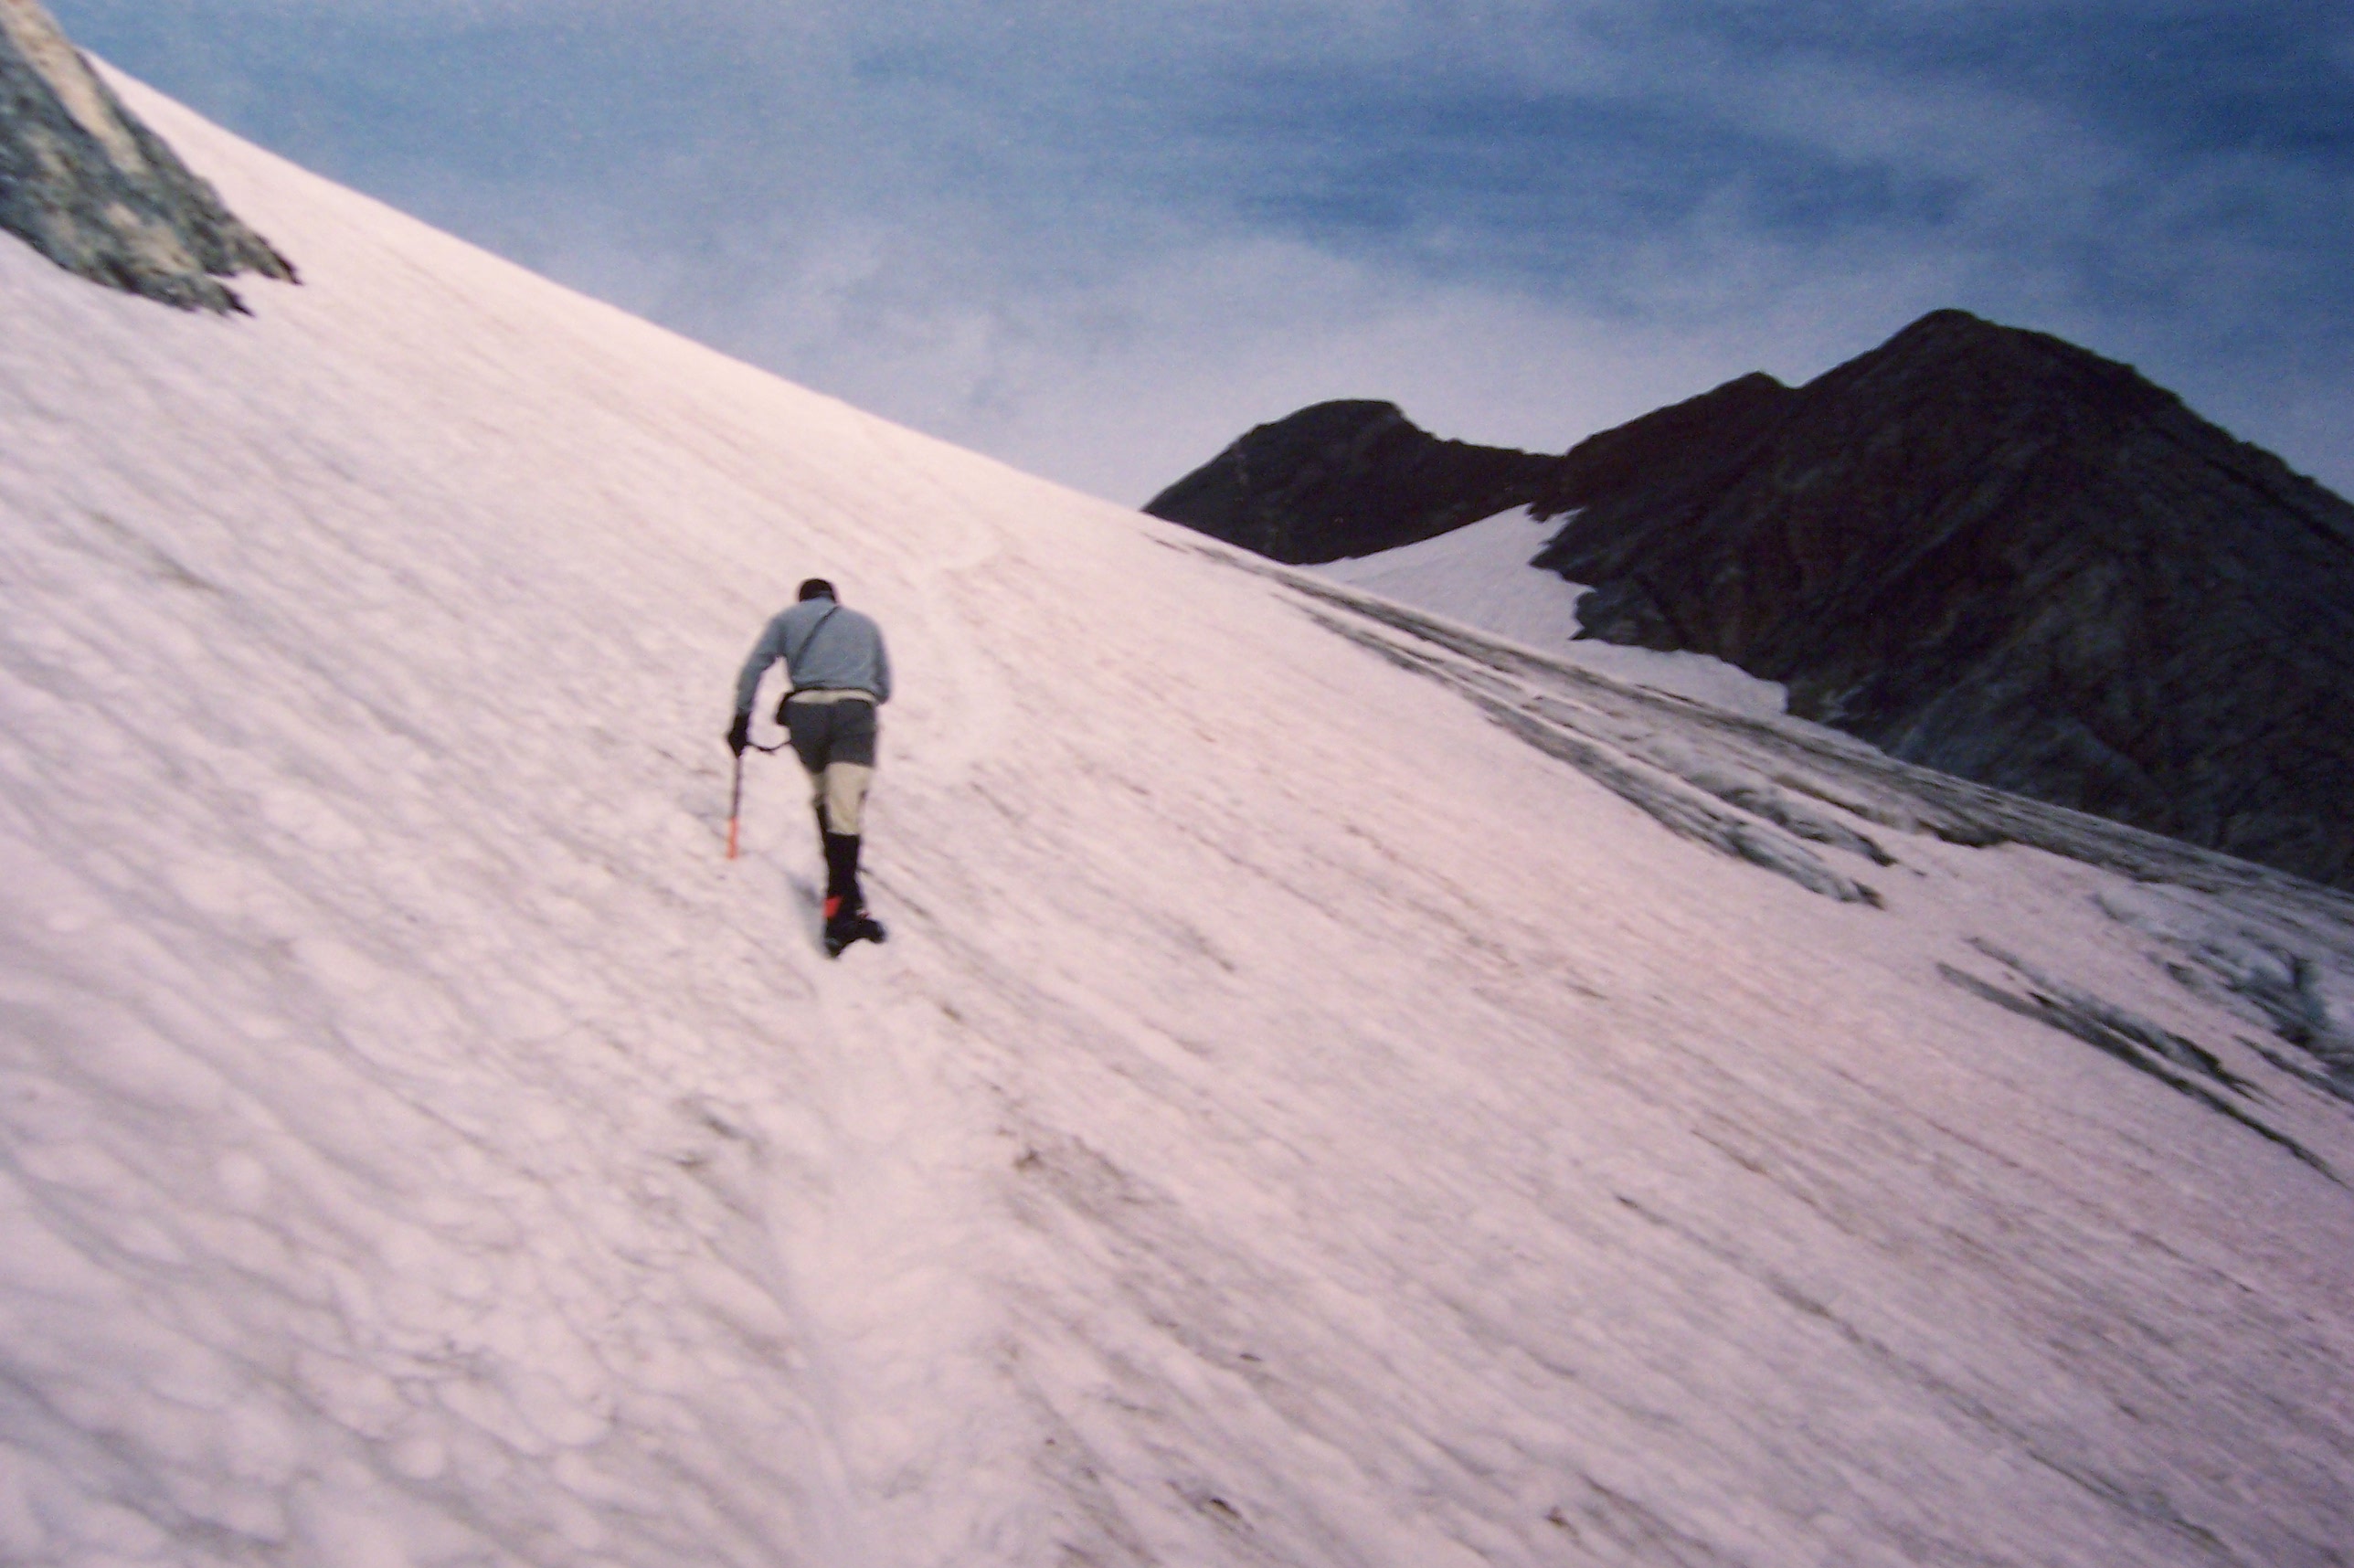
(734, 805)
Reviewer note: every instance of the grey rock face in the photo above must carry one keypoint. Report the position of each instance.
(1981, 550)
(87, 184)
(1995, 553)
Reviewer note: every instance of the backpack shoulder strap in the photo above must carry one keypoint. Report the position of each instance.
(793, 655)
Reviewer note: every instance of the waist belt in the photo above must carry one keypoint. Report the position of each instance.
(830, 695)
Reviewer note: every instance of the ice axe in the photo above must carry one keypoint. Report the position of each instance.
(735, 794)
(734, 805)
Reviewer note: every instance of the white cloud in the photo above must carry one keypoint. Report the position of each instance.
(1100, 240)
(1120, 381)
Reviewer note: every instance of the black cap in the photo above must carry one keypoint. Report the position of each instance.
(817, 588)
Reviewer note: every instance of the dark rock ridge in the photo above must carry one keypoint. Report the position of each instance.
(1347, 478)
(1998, 555)
(1982, 550)
(87, 184)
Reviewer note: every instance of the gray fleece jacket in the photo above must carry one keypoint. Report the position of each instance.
(824, 647)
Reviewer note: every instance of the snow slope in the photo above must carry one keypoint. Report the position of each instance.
(1300, 1117)
(1479, 575)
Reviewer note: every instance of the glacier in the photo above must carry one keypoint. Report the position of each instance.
(1338, 1091)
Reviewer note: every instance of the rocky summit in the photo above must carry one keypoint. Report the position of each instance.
(1995, 553)
(87, 184)
(1982, 550)
(1348, 479)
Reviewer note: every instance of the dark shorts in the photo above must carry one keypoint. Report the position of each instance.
(827, 733)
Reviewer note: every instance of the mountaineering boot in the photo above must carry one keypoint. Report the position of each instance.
(842, 872)
(847, 923)
(846, 920)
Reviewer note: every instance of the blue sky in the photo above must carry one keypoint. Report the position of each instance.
(1099, 240)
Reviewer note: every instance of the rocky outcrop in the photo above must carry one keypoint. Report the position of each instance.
(1997, 554)
(1348, 479)
(1982, 550)
(87, 184)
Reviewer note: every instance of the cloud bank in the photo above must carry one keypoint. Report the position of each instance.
(1100, 240)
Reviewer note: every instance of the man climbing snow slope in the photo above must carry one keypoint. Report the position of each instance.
(840, 673)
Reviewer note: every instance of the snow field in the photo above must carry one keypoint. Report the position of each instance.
(1479, 575)
(1293, 1122)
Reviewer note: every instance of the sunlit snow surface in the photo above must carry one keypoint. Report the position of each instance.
(1295, 1121)
(1479, 575)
